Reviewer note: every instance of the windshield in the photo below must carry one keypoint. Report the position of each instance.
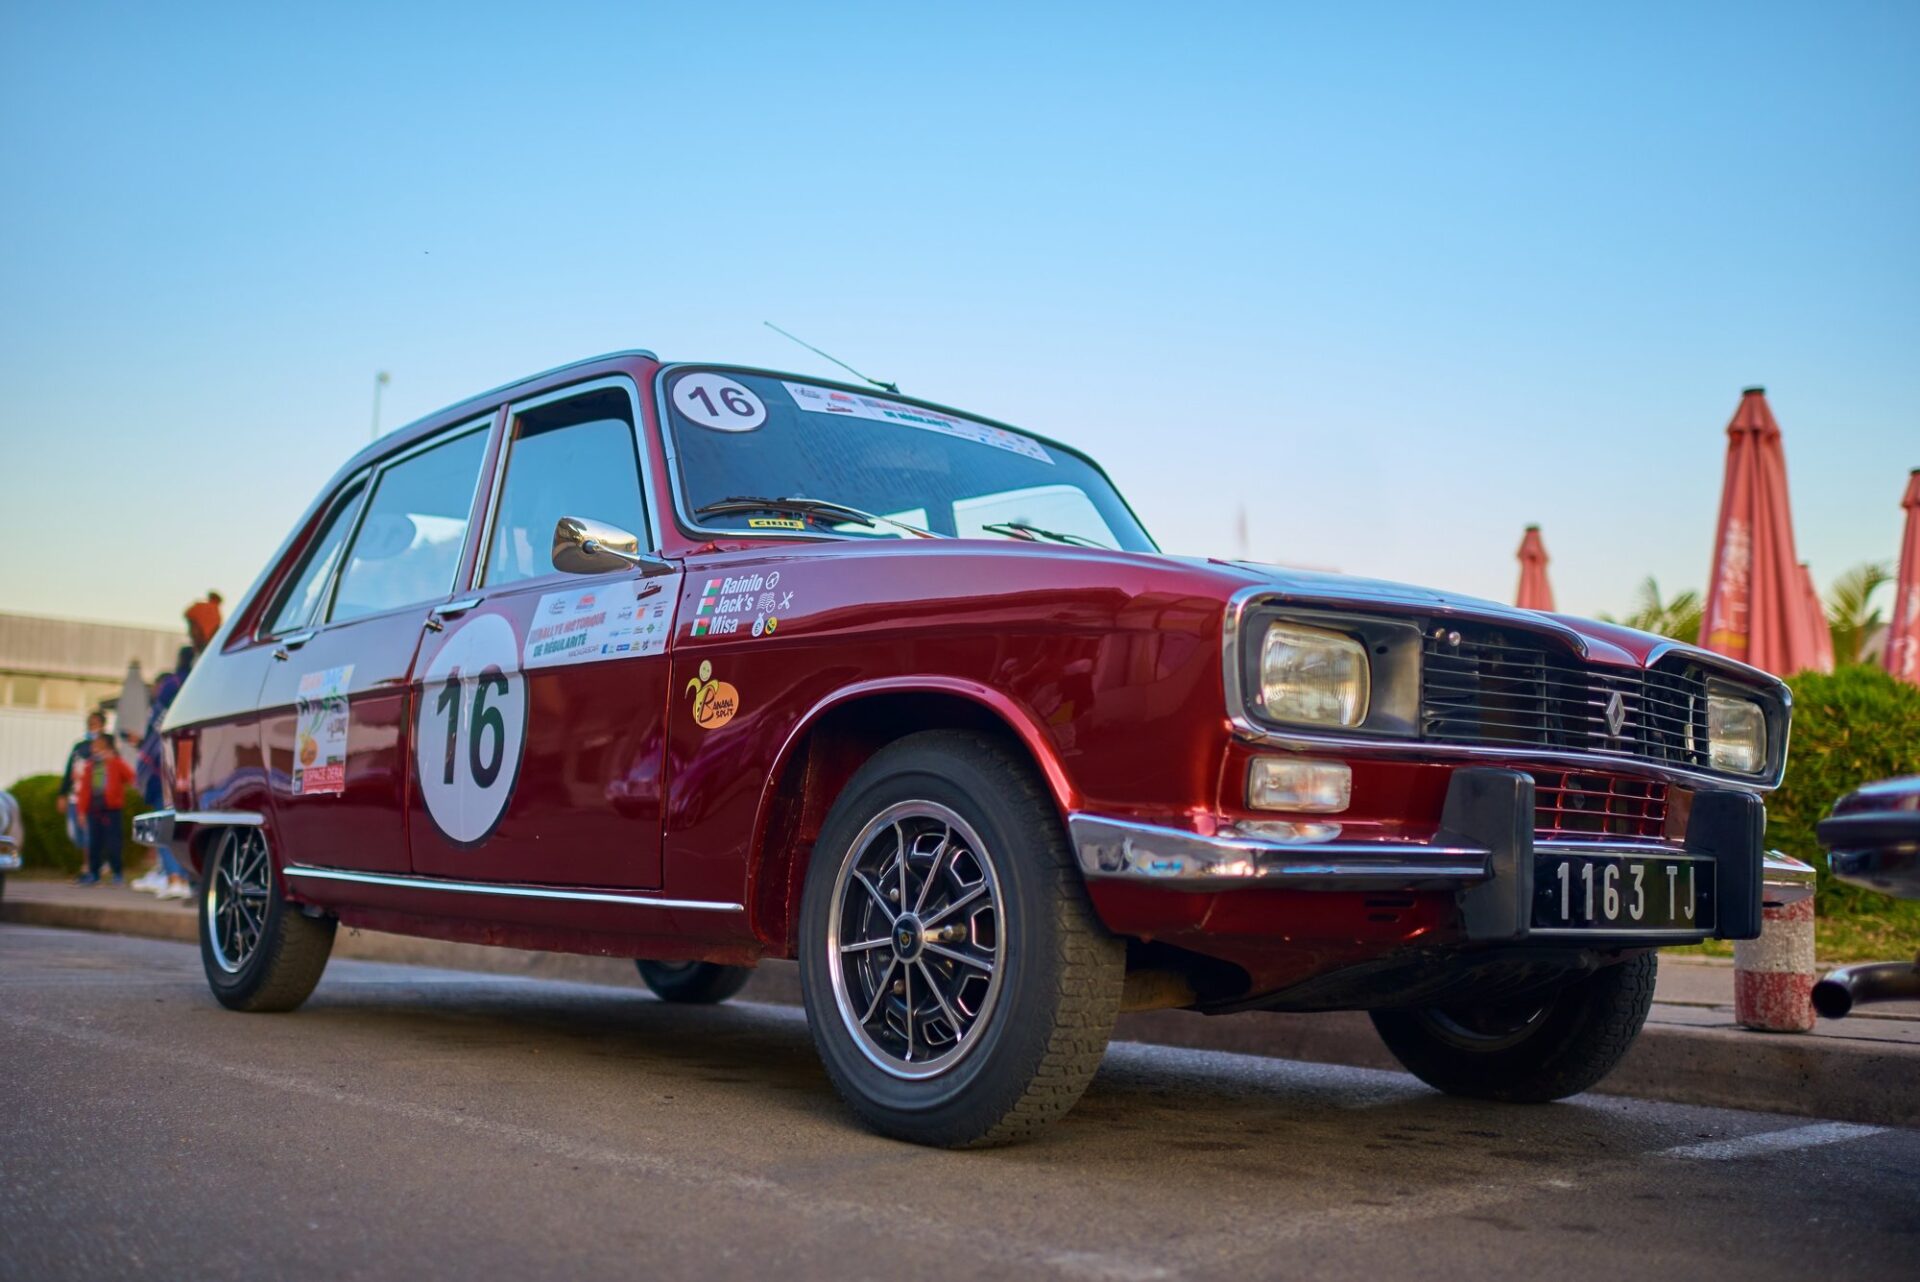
(738, 435)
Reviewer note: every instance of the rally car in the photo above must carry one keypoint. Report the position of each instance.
(703, 665)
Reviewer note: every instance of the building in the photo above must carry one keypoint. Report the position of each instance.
(55, 671)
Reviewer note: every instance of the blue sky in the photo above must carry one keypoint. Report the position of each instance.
(1399, 279)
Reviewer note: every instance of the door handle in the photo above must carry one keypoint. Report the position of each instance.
(291, 642)
(449, 610)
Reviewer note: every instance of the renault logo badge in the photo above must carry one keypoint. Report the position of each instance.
(1616, 714)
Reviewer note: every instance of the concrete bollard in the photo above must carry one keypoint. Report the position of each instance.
(1773, 975)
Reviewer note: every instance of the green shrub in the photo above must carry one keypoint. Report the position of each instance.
(47, 847)
(1850, 727)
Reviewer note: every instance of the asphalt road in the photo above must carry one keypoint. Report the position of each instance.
(434, 1124)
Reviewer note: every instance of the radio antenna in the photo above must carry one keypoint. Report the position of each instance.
(885, 387)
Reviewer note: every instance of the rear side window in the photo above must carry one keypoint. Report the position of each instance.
(573, 458)
(407, 548)
(300, 602)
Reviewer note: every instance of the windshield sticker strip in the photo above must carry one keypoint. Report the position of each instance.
(826, 400)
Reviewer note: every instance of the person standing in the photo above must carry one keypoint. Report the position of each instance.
(168, 879)
(66, 802)
(203, 620)
(102, 795)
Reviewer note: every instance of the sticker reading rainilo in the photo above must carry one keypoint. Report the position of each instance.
(714, 702)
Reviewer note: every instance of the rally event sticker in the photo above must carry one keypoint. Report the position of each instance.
(714, 701)
(472, 728)
(714, 401)
(320, 731)
(622, 620)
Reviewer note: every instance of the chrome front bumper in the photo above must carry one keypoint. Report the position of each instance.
(1484, 852)
(9, 855)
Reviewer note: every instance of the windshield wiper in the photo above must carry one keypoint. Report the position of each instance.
(1033, 533)
(808, 507)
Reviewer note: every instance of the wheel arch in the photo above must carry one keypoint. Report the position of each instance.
(832, 741)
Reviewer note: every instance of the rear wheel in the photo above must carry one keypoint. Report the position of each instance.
(260, 953)
(957, 984)
(1527, 1052)
(692, 982)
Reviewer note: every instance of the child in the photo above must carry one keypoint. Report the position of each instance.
(103, 791)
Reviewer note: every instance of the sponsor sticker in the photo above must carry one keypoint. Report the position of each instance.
(733, 604)
(627, 619)
(714, 701)
(774, 523)
(320, 731)
(826, 400)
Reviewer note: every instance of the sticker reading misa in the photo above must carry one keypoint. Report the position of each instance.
(620, 620)
(827, 400)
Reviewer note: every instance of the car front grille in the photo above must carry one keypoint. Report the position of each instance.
(1505, 689)
(1583, 807)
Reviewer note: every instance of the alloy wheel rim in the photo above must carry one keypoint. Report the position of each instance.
(238, 892)
(916, 939)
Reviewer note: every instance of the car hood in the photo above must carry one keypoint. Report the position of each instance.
(1596, 641)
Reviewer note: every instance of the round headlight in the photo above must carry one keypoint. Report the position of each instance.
(1736, 734)
(1313, 677)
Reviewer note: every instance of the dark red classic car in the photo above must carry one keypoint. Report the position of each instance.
(704, 665)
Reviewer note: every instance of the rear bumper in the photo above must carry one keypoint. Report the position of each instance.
(174, 829)
(1484, 853)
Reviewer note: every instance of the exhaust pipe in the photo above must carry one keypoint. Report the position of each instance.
(1852, 986)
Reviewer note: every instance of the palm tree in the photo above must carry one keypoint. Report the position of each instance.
(1850, 613)
(1679, 618)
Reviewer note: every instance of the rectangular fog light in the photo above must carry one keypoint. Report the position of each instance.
(1296, 784)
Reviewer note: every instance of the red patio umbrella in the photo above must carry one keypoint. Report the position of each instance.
(1817, 611)
(1535, 592)
(1902, 655)
(1757, 607)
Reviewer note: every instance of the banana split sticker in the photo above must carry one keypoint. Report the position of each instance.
(714, 701)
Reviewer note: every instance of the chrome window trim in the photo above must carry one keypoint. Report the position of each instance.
(642, 456)
(663, 419)
(1246, 728)
(379, 471)
(512, 891)
(363, 478)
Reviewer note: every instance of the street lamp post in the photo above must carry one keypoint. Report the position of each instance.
(380, 380)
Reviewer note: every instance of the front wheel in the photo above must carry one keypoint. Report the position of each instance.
(1530, 1051)
(693, 983)
(957, 983)
(260, 953)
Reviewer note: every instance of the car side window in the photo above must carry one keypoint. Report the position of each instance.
(572, 458)
(407, 548)
(300, 600)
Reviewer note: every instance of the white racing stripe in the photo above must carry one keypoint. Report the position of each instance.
(1774, 1141)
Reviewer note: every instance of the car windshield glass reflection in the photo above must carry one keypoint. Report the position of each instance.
(753, 434)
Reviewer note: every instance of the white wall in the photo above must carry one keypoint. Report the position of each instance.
(33, 742)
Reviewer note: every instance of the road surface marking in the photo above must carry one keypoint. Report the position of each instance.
(1774, 1141)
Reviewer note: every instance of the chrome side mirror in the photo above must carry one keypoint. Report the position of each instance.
(581, 546)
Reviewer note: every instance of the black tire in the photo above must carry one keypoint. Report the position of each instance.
(3, 887)
(1035, 1041)
(1546, 1048)
(280, 967)
(693, 983)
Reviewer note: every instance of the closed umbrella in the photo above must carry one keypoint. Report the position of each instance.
(1535, 592)
(1902, 655)
(1757, 609)
(1817, 613)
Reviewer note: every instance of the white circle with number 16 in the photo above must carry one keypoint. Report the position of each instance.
(471, 728)
(718, 403)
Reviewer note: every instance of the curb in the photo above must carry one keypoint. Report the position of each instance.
(1834, 1078)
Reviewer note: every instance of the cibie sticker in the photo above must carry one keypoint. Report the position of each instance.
(714, 702)
(320, 731)
(774, 523)
(718, 403)
(471, 729)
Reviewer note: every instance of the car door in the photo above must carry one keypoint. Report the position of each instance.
(540, 721)
(333, 709)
